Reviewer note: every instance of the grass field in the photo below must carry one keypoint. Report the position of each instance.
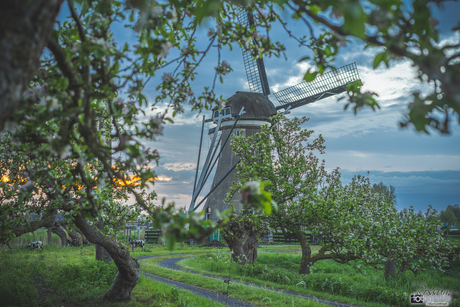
(328, 277)
(71, 276)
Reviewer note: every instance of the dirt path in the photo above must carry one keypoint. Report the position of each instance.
(171, 263)
(208, 294)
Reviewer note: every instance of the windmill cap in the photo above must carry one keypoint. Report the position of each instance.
(256, 105)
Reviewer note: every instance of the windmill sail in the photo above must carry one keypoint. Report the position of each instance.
(326, 85)
(255, 69)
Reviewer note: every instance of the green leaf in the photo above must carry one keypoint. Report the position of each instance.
(379, 58)
(21, 198)
(170, 242)
(314, 9)
(355, 19)
(310, 76)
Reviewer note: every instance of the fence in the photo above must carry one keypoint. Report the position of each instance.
(280, 238)
(152, 236)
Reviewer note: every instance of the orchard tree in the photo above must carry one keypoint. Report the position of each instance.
(456, 210)
(448, 216)
(47, 187)
(366, 226)
(354, 222)
(243, 230)
(285, 155)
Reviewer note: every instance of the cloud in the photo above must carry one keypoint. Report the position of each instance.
(163, 178)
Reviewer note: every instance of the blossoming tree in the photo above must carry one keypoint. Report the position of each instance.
(285, 155)
(354, 222)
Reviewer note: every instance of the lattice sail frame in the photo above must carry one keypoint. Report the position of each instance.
(326, 85)
(255, 69)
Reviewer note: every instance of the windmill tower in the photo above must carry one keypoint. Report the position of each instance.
(244, 113)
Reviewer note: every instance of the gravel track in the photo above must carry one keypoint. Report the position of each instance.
(208, 294)
(171, 263)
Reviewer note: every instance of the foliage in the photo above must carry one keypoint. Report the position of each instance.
(456, 210)
(448, 216)
(86, 103)
(387, 191)
(353, 220)
(33, 185)
(283, 154)
(369, 227)
(398, 31)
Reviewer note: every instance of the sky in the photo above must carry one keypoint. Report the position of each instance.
(424, 169)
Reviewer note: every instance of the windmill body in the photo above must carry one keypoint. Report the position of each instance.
(257, 111)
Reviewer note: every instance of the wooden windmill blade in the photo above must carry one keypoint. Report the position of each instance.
(326, 85)
(255, 68)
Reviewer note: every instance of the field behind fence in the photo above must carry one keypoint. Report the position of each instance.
(38, 235)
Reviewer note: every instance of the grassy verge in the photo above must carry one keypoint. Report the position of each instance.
(258, 295)
(71, 277)
(157, 249)
(328, 279)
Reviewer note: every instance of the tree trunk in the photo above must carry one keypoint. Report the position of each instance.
(244, 250)
(390, 269)
(57, 229)
(305, 261)
(24, 30)
(50, 238)
(101, 253)
(128, 267)
(74, 235)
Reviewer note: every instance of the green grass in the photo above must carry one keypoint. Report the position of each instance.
(180, 248)
(72, 277)
(328, 278)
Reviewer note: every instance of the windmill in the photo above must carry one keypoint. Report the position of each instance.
(244, 113)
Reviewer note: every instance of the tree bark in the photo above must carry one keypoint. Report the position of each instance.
(390, 269)
(101, 253)
(57, 229)
(50, 238)
(128, 267)
(305, 262)
(25, 27)
(245, 249)
(242, 236)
